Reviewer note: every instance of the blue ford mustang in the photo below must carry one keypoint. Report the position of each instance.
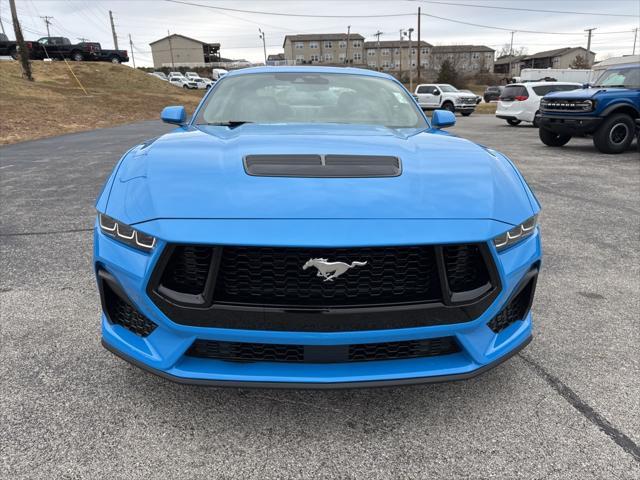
(309, 227)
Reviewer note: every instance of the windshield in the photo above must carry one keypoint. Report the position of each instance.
(448, 88)
(628, 77)
(310, 98)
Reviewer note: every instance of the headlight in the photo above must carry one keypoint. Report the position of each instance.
(516, 234)
(126, 234)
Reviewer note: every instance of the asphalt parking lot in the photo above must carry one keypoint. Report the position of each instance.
(568, 406)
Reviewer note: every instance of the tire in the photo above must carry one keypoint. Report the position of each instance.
(115, 60)
(513, 122)
(466, 114)
(486, 100)
(615, 134)
(449, 106)
(535, 120)
(77, 56)
(184, 86)
(552, 139)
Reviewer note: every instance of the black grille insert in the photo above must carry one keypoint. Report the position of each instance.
(188, 269)
(264, 352)
(466, 269)
(516, 309)
(274, 276)
(121, 312)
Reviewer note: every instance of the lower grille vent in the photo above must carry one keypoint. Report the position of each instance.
(264, 352)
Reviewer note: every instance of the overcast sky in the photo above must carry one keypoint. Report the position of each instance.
(237, 32)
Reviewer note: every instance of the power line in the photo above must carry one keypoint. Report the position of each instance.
(301, 15)
(536, 10)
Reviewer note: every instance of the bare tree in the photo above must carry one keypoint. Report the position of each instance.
(580, 62)
(506, 50)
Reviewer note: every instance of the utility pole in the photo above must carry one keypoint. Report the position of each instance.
(377, 35)
(346, 58)
(264, 45)
(419, 45)
(24, 53)
(589, 47)
(510, 54)
(113, 30)
(133, 59)
(635, 37)
(400, 57)
(47, 22)
(173, 67)
(410, 61)
(2, 26)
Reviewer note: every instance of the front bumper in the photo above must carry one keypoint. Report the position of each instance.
(569, 124)
(163, 352)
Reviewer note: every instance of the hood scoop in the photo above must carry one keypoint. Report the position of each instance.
(322, 166)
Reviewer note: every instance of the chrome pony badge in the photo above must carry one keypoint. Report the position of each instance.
(330, 270)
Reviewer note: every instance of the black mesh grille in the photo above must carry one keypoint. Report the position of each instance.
(263, 352)
(466, 269)
(409, 349)
(264, 275)
(515, 310)
(187, 269)
(247, 352)
(121, 312)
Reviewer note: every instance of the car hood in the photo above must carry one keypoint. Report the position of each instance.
(199, 174)
(584, 93)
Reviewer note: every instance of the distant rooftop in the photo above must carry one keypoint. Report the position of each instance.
(184, 36)
(395, 44)
(461, 48)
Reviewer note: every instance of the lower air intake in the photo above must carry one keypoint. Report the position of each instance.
(516, 309)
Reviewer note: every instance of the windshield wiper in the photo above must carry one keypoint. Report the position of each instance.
(230, 123)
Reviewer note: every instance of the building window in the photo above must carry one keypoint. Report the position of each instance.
(371, 52)
(424, 62)
(424, 51)
(386, 64)
(315, 58)
(357, 56)
(475, 55)
(313, 44)
(397, 65)
(385, 52)
(343, 44)
(328, 57)
(372, 64)
(357, 44)
(328, 44)
(342, 56)
(396, 51)
(413, 51)
(299, 45)
(299, 59)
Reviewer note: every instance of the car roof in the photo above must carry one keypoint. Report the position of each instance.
(537, 84)
(309, 69)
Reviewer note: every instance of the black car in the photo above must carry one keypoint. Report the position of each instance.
(493, 93)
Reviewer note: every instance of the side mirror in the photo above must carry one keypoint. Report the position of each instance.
(436, 91)
(586, 85)
(443, 119)
(176, 115)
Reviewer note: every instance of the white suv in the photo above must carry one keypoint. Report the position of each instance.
(432, 96)
(520, 102)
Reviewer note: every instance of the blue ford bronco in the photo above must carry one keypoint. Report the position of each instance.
(608, 110)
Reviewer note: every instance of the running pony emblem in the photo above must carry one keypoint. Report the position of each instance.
(330, 270)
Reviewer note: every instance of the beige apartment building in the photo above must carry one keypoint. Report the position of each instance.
(394, 55)
(327, 48)
(180, 51)
(466, 59)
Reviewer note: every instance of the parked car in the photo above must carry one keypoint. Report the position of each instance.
(159, 75)
(478, 97)
(432, 96)
(106, 55)
(8, 48)
(607, 111)
(61, 47)
(520, 102)
(179, 80)
(218, 73)
(191, 75)
(258, 245)
(492, 93)
(200, 83)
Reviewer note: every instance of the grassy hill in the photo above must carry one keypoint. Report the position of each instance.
(55, 104)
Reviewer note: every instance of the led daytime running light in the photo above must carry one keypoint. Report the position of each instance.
(126, 234)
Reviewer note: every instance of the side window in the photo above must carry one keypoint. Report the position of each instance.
(425, 89)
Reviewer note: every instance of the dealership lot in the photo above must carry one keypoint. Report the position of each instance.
(567, 407)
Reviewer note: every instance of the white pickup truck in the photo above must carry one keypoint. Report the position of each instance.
(432, 96)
